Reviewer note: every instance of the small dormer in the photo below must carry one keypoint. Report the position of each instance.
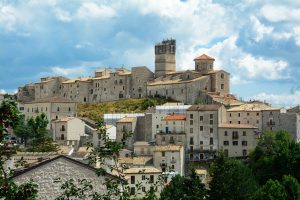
(204, 63)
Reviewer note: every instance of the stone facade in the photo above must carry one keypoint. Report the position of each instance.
(62, 168)
(139, 82)
(237, 140)
(202, 131)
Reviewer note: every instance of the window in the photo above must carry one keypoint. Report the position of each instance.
(132, 191)
(191, 116)
(163, 154)
(62, 137)
(244, 133)
(257, 114)
(239, 114)
(201, 128)
(191, 122)
(257, 121)
(248, 114)
(201, 118)
(211, 116)
(143, 189)
(191, 140)
(181, 91)
(244, 143)
(222, 76)
(230, 122)
(201, 142)
(225, 133)
(235, 143)
(157, 126)
(191, 148)
(211, 141)
(63, 128)
(151, 178)
(143, 177)
(191, 130)
(69, 109)
(226, 152)
(239, 122)
(244, 152)
(57, 109)
(211, 121)
(226, 143)
(211, 130)
(230, 115)
(235, 135)
(84, 99)
(222, 86)
(132, 179)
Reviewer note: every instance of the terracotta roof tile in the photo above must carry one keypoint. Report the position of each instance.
(174, 117)
(204, 57)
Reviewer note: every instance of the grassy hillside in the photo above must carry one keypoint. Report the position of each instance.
(96, 110)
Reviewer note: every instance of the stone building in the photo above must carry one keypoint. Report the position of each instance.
(53, 107)
(169, 158)
(202, 131)
(186, 86)
(126, 131)
(68, 130)
(62, 169)
(172, 130)
(237, 140)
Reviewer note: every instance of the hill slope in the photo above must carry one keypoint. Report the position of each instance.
(95, 111)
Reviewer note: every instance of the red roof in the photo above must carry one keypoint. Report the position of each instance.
(204, 57)
(175, 117)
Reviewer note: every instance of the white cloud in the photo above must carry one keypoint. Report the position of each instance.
(8, 17)
(76, 71)
(297, 35)
(260, 29)
(83, 45)
(236, 80)
(62, 15)
(276, 13)
(90, 10)
(280, 99)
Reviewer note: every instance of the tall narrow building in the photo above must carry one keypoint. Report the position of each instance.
(165, 57)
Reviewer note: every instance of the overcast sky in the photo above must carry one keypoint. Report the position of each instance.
(256, 41)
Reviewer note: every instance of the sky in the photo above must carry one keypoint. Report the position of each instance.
(256, 41)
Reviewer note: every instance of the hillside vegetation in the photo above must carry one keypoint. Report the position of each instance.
(95, 111)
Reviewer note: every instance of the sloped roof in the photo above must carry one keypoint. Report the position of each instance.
(143, 170)
(174, 117)
(127, 120)
(245, 126)
(21, 172)
(204, 57)
(210, 107)
(56, 99)
(255, 107)
(168, 148)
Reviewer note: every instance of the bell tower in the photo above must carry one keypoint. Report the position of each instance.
(204, 63)
(165, 57)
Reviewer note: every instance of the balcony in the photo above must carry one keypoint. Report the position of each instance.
(173, 161)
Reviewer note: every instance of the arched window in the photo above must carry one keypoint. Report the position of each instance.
(222, 75)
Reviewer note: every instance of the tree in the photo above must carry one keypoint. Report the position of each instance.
(274, 156)
(9, 115)
(22, 129)
(231, 179)
(292, 187)
(187, 188)
(40, 140)
(272, 190)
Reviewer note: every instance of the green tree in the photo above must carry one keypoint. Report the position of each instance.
(9, 115)
(187, 188)
(40, 139)
(231, 179)
(292, 187)
(274, 156)
(272, 190)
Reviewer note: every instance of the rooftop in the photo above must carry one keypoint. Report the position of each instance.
(134, 161)
(212, 107)
(65, 119)
(246, 126)
(168, 148)
(143, 170)
(204, 57)
(56, 99)
(174, 117)
(127, 120)
(252, 107)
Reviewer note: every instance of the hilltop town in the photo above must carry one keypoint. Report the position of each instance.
(203, 119)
